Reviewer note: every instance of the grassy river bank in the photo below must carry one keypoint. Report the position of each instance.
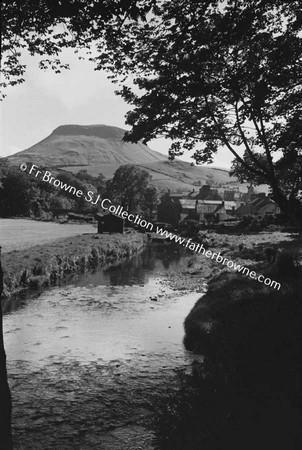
(45, 265)
(245, 393)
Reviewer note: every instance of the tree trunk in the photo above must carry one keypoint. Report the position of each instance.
(5, 402)
(290, 207)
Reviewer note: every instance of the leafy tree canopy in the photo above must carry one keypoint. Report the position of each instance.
(205, 74)
(128, 187)
(46, 27)
(218, 73)
(149, 203)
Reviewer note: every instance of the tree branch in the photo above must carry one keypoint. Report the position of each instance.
(226, 142)
(246, 142)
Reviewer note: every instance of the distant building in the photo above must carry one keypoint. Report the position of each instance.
(228, 195)
(221, 214)
(208, 193)
(249, 195)
(109, 223)
(188, 208)
(219, 204)
(231, 206)
(258, 206)
(203, 193)
(205, 208)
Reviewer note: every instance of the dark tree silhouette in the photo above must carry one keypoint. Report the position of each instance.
(5, 403)
(218, 74)
(46, 27)
(128, 187)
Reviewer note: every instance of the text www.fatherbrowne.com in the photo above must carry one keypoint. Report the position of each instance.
(199, 248)
(106, 204)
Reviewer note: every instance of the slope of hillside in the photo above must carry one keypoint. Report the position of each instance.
(100, 149)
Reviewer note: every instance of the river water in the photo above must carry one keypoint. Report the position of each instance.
(88, 360)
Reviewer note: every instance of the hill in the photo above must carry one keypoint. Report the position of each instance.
(100, 149)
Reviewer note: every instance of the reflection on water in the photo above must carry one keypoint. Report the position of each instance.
(139, 269)
(116, 333)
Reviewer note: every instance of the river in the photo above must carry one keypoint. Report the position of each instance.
(88, 360)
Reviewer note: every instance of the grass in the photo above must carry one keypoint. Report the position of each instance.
(20, 234)
(44, 265)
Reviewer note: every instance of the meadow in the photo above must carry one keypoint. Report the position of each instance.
(20, 234)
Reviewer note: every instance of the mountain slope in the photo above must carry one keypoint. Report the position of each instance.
(100, 149)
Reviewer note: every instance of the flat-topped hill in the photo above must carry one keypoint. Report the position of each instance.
(100, 149)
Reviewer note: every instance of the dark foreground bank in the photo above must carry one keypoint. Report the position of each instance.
(246, 393)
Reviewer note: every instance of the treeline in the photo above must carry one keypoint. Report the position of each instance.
(24, 194)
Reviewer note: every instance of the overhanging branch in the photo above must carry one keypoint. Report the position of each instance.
(227, 143)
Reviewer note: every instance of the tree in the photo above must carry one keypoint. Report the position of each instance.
(128, 187)
(15, 194)
(218, 73)
(46, 27)
(98, 182)
(169, 210)
(149, 203)
(5, 404)
(205, 74)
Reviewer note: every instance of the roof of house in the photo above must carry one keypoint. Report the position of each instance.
(209, 202)
(101, 215)
(260, 202)
(183, 216)
(213, 196)
(220, 208)
(188, 203)
(207, 208)
(230, 204)
(178, 194)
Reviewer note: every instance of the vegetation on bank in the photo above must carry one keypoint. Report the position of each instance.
(45, 265)
(245, 393)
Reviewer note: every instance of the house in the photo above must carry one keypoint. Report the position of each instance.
(259, 206)
(204, 191)
(221, 213)
(109, 223)
(231, 206)
(228, 195)
(188, 208)
(265, 207)
(208, 193)
(205, 208)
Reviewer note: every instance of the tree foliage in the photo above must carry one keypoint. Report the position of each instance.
(15, 194)
(46, 27)
(149, 203)
(128, 187)
(22, 194)
(205, 74)
(215, 73)
(169, 210)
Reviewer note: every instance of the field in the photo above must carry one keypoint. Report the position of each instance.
(20, 234)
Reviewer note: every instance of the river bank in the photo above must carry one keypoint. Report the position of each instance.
(256, 251)
(89, 360)
(45, 265)
(246, 332)
(245, 392)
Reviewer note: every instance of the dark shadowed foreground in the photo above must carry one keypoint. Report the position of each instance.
(5, 404)
(246, 393)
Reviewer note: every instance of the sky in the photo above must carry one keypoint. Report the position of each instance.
(82, 96)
